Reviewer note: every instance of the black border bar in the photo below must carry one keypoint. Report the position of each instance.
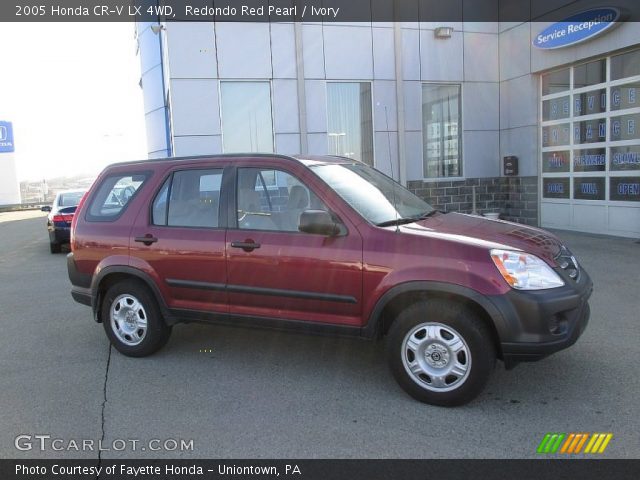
(305, 10)
(335, 469)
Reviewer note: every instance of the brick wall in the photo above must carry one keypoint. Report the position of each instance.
(515, 198)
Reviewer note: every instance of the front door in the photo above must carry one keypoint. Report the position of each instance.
(278, 272)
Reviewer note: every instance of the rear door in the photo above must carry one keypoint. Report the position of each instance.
(180, 239)
(278, 272)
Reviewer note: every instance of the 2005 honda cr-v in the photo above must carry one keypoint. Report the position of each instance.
(324, 244)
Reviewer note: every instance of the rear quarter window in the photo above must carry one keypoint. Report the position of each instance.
(114, 195)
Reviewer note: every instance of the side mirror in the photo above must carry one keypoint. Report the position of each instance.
(46, 208)
(318, 222)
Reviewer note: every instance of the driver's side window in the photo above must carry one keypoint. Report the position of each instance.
(270, 199)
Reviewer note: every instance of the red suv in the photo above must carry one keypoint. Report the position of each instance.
(322, 244)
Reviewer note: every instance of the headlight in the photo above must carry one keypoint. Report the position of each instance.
(524, 271)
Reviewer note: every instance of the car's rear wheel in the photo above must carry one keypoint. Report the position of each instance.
(132, 319)
(440, 352)
(55, 247)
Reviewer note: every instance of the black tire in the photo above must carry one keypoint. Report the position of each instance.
(55, 247)
(157, 332)
(478, 352)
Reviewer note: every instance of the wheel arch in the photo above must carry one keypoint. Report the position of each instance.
(399, 297)
(111, 275)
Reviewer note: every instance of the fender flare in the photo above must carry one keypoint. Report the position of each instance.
(374, 324)
(132, 272)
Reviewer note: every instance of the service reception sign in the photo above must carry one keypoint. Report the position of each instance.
(577, 28)
(6, 137)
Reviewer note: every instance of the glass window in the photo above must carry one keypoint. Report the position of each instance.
(555, 108)
(590, 73)
(588, 103)
(349, 119)
(375, 196)
(160, 204)
(590, 131)
(588, 188)
(625, 96)
(625, 158)
(262, 206)
(555, 161)
(590, 160)
(194, 199)
(625, 65)
(625, 127)
(555, 135)
(554, 82)
(246, 117)
(70, 199)
(113, 196)
(625, 189)
(441, 131)
(555, 187)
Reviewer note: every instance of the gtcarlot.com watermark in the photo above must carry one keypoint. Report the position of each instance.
(46, 442)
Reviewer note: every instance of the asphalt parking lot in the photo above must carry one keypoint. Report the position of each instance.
(265, 394)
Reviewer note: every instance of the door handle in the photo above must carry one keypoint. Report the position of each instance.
(148, 239)
(246, 246)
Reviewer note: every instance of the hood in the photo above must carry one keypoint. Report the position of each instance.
(482, 231)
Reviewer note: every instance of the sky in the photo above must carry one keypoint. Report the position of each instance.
(71, 91)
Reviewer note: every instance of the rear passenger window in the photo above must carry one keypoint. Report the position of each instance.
(113, 196)
(189, 198)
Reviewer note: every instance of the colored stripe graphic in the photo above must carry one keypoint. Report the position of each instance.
(551, 442)
(572, 443)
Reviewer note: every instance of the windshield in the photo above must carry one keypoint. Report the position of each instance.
(372, 193)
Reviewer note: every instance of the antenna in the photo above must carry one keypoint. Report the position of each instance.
(393, 185)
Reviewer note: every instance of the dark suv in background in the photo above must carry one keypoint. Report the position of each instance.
(323, 244)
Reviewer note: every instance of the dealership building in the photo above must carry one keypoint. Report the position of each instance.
(540, 121)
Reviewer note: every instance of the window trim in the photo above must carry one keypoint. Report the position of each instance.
(461, 156)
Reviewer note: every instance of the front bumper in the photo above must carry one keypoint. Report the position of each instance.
(536, 324)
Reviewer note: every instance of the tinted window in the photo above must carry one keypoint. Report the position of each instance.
(625, 65)
(441, 131)
(555, 108)
(554, 82)
(590, 73)
(350, 121)
(246, 117)
(193, 199)
(271, 199)
(114, 195)
(69, 199)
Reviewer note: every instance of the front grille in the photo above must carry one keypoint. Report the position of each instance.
(568, 263)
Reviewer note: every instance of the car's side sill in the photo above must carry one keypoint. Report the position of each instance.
(184, 315)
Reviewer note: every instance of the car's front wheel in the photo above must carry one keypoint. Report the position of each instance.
(132, 319)
(440, 352)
